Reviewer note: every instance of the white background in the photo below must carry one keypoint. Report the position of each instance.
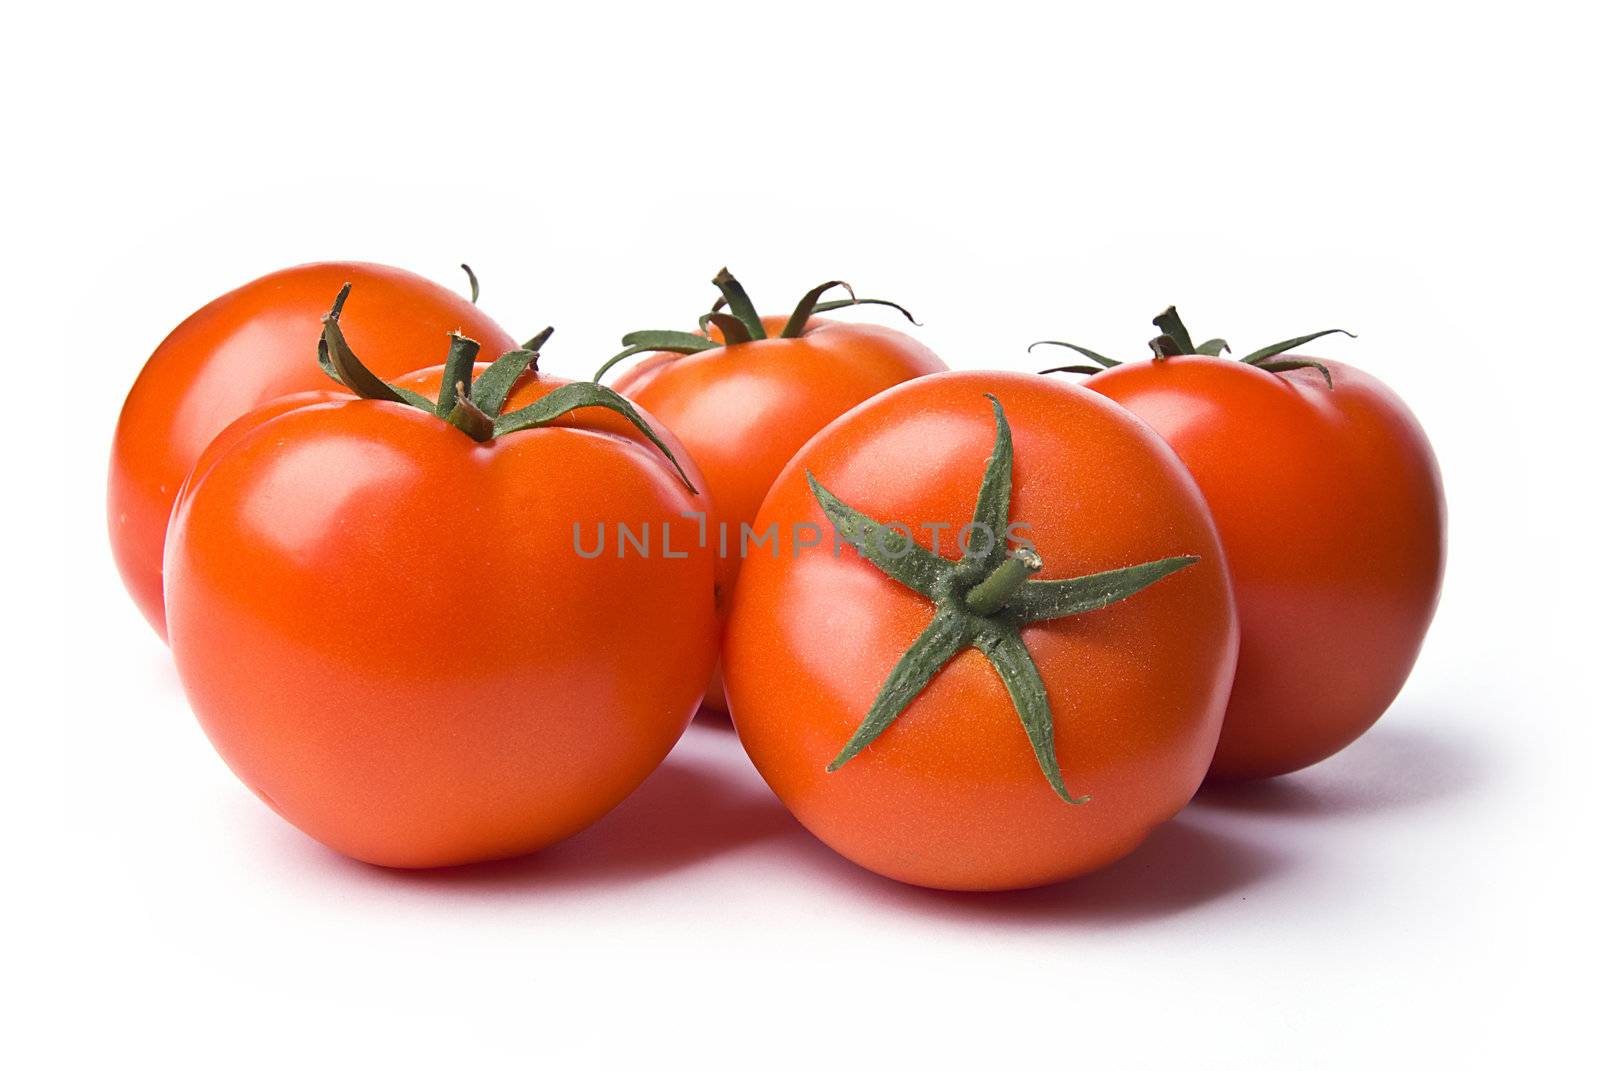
(1420, 174)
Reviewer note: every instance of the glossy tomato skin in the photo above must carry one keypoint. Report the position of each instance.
(1332, 512)
(744, 410)
(247, 347)
(388, 634)
(951, 795)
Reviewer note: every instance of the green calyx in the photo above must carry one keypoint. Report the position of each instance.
(475, 406)
(985, 601)
(1175, 341)
(741, 322)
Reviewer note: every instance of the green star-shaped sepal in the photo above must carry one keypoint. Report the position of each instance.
(475, 407)
(984, 600)
(1175, 341)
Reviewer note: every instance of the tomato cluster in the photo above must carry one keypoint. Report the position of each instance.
(977, 630)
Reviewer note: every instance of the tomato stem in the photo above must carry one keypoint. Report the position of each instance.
(457, 372)
(991, 593)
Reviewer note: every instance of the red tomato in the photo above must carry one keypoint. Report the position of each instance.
(744, 409)
(245, 348)
(1331, 510)
(967, 788)
(389, 632)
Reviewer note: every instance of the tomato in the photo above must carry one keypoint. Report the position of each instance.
(247, 347)
(1329, 502)
(907, 668)
(742, 408)
(395, 633)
